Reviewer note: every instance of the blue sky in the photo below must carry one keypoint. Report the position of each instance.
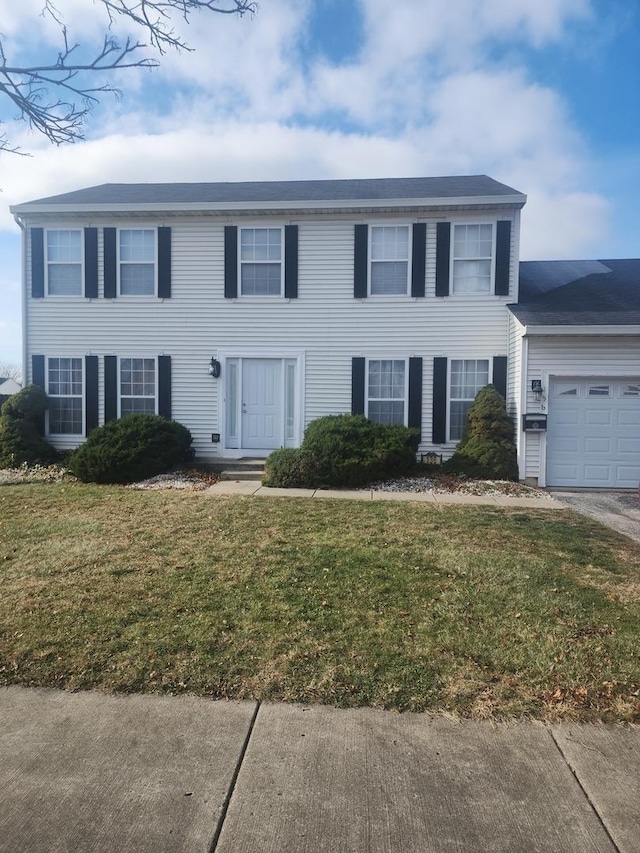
(543, 95)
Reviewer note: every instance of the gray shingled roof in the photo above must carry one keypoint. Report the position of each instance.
(571, 293)
(283, 191)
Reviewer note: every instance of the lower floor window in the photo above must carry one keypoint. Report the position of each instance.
(386, 391)
(64, 388)
(137, 386)
(468, 376)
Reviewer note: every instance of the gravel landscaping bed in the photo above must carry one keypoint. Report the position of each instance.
(196, 480)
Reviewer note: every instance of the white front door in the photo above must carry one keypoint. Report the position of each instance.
(261, 404)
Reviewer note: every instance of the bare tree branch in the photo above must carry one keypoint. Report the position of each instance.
(55, 98)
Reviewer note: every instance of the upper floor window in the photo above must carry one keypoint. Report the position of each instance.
(389, 259)
(137, 262)
(137, 386)
(468, 376)
(472, 258)
(64, 263)
(261, 261)
(387, 391)
(64, 388)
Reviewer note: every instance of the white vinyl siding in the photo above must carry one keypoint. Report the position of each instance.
(261, 267)
(473, 252)
(137, 261)
(389, 260)
(64, 389)
(64, 262)
(325, 322)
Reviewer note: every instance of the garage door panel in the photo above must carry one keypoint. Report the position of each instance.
(597, 445)
(593, 439)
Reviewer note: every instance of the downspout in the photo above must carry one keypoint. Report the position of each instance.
(522, 436)
(25, 302)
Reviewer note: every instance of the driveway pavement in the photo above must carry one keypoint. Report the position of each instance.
(88, 773)
(618, 510)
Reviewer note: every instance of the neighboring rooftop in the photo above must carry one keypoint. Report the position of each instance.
(576, 293)
(279, 192)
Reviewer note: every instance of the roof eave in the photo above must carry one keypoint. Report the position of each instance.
(577, 329)
(513, 201)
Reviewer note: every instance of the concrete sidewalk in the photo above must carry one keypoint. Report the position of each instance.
(91, 772)
(254, 489)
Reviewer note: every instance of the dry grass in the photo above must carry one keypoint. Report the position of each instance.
(481, 611)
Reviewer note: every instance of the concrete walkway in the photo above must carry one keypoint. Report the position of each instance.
(254, 489)
(87, 773)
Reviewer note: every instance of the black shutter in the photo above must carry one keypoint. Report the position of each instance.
(110, 264)
(291, 261)
(38, 378)
(360, 261)
(110, 388)
(91, 263)
(164, 262)
(415, 395)
(443, 256)
(91, 392)
(418, 253)
(500, 374)
(164, 386)
(37, 263)
(439, 429)
(230, 262)
(503, 257)
(357, 386)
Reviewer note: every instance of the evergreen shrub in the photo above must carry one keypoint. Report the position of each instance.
(346, 451)
(133, 448)
(487, 449)
(21, 424)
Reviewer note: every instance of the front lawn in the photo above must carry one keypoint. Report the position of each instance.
(482, 611)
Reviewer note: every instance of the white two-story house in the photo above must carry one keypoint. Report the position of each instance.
(246, 310)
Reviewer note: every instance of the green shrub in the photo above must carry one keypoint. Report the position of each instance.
(486, 449)
(288, 468)
(21, 421)
(133, 448)
(345, 450)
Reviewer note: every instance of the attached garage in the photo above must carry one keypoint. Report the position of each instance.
(593, 437)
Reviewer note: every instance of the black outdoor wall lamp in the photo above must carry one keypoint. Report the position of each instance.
(537, 389)
(214, 368)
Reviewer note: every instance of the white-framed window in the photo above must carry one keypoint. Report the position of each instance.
(260, 258)
(387, 390)
(64, 262)
(64, 389)
(138, 391)
(468, 376)
(389, 252)
(137, 261)
(473, 254)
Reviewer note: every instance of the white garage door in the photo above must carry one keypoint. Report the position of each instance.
(593, 436)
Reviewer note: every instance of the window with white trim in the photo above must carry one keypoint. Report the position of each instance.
(389, 256)
(468, 376)
(472, 258)
(137, 386)
(64, 262)
(261, 267)
(387, 390)
(64, 389)
(137, 261)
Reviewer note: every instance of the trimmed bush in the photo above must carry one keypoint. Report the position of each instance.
(486, 449)
(21, 441)
(344, 451)
(133, 448)
(288, 468)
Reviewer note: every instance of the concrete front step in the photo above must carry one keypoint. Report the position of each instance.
(239, 469)
(242, 474)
